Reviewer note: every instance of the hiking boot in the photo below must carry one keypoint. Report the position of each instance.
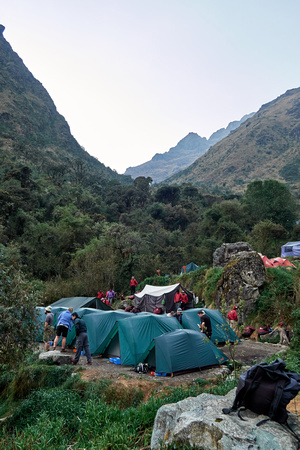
(73, 361)
(53, 348)
(89, 362)
(63, 350)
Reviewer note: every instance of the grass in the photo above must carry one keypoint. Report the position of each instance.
(90, 415)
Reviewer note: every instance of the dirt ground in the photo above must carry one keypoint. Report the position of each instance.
(247, 352)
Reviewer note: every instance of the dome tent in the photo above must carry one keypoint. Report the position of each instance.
(182, 350)
(290, 249)
(221, 331)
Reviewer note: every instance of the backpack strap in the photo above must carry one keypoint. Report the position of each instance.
(279, 391)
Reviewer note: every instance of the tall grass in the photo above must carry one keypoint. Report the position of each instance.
(88, 415)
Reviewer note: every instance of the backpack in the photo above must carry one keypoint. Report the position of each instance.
(266, 389)
(142, 368)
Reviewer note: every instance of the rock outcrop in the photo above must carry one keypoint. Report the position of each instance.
(200, 423)
(242, 277)
(224, 254)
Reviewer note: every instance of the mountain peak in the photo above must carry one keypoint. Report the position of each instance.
(186, 151)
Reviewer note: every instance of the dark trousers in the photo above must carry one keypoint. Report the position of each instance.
(82, 343)
(132, 290)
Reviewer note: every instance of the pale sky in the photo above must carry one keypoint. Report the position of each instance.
(134, 77)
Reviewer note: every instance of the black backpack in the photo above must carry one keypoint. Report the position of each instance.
(142, 368)
(266, 389)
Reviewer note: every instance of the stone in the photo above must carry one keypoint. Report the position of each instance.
(57, 357)
(199, 422)
(223, 255)
(240, 282)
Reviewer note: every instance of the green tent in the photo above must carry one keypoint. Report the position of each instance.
(136, 334)
(102, 331)
(82, 302)
(71, 337)
(189, 268)
(182, 350)
(221, 331)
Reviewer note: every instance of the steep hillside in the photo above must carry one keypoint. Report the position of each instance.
(191, 147)
(266, 146)
(32, 132)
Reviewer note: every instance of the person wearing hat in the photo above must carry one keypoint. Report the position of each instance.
(82, 340)
(205, 325)
(49, 333)
(178, 315)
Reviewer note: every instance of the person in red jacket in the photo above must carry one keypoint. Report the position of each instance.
(100, 295)
(133, 285)
(178, 298)
(233, 318)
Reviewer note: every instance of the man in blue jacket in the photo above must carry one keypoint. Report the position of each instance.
(82, 339)
(64, 324)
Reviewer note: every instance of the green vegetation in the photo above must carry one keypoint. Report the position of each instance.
(85, 415)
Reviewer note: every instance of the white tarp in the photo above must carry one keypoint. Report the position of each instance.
(157, 291)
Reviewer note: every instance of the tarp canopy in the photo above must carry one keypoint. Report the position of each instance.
(189, 268)
(185, 350)
(82, 302)
(290, 249)
(221, 331)
(152, 297)
(99, 328)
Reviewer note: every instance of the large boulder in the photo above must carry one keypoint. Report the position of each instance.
(240, 281)
(200, 423)
(57, 357)
(224, 254)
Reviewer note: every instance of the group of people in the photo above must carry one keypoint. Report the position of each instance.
(108, 297)
(110, 294)
(64, 324)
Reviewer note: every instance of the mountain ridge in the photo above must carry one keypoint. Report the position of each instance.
(186, 151)
(265, 146)
(31, 129)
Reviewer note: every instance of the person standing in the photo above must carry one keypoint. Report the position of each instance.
(49, 333)
(133, 285)
(110, 295)
(64, 324)
(205, 325)
(178, 315)
(82, 341)
(178, 299)
(100, 295)
(233, 318)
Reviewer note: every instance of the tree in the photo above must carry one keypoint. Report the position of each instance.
(271, 200)
(267, 238)
(19, 298)
(168, 194)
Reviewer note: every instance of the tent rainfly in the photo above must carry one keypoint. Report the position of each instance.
(221, 331)
(102, 329)
(153, 296)
(182, 350)
(290, 249)
(82, 302)
(189, 268)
